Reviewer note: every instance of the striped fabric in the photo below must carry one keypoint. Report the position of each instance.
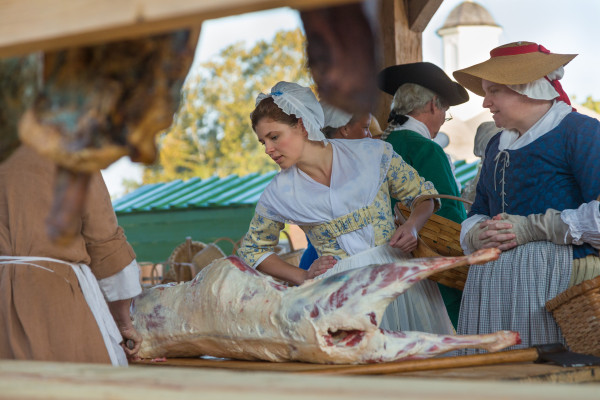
(511, 292)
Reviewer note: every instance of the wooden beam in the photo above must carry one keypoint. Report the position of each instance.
(33, 25)
(420, 13)
(42, 380)
(400, 44)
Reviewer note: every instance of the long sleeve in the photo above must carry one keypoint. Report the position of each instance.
(260, 240)
(104, 238)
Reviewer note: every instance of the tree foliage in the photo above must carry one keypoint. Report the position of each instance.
(211, 133)
(592, 104)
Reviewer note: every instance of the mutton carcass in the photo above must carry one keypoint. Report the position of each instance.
(230, 310)
(98, 103)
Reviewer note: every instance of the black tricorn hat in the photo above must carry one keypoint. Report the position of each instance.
(425, 74)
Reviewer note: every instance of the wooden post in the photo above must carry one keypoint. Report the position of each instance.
(402, 23)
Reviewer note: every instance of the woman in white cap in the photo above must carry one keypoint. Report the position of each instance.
(338, 192)
(338, 124)
(536, 194)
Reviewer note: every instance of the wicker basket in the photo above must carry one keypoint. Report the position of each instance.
(577, 312)
(439, 237)
(180, 261)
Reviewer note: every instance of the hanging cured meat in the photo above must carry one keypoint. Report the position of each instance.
(344, 62)
(230, 310)
(99, 103)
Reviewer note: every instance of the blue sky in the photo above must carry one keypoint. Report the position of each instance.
(562, 26)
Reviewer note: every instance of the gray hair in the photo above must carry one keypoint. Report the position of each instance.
(411, 97)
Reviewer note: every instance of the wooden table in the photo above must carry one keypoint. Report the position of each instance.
(526, 372)
(43, 380)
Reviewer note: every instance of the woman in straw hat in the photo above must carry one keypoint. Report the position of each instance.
(536, 195)
(338, 192)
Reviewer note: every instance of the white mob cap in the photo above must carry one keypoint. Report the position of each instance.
(292, 98)
(334, 117)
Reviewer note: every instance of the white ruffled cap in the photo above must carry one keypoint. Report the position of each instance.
(292, 98)
(334, 117)
(540, 89)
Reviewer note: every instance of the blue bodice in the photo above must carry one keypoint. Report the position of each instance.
(560, 170)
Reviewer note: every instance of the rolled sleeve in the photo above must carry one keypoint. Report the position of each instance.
(122, 285)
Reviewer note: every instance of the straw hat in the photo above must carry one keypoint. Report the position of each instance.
(512, 64)
(425, 74)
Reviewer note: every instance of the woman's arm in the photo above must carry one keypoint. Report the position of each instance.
(275, 266)
(405, 237)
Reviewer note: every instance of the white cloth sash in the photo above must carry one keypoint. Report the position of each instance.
(95, 300)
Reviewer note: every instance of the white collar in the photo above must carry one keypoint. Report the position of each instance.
(510, 139)
(417, 126)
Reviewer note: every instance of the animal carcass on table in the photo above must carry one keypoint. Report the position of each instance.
(99, 103)
(230, 310)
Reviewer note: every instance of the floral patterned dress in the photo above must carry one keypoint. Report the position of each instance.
(347, 218)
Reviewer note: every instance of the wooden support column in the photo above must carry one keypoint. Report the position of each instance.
(402, 23)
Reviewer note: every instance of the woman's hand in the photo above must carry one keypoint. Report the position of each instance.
(495, 233)
(405, 237)
(320, 266)
(132, 340)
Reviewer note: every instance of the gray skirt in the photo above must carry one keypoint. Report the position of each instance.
(511, 292)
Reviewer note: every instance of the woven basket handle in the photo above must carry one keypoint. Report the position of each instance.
(235, 245)
(424, 197)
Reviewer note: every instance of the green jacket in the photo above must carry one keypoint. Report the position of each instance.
(430, 161)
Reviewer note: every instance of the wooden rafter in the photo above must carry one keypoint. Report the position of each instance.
(420, 13)
(33, 25)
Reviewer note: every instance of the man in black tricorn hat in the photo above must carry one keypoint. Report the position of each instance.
(422, 95)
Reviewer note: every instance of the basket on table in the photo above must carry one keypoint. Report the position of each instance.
(439, 237)
(190, 257)
(577, 312)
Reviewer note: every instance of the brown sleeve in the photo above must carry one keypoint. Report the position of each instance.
(105, 241)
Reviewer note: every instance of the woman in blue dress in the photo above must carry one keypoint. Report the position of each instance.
(536, 197)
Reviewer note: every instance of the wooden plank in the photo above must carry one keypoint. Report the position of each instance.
(32, 25)
(229, 364)
(420, 13)
(42, 380)
(527, 372)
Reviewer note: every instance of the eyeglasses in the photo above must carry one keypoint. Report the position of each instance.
(448, 118)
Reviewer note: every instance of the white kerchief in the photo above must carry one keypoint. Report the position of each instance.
(416, 126)
(510, 139)
(356, 176)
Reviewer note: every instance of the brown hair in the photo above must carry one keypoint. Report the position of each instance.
(268, 109)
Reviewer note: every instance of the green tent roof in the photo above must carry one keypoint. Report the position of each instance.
(229, 191)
